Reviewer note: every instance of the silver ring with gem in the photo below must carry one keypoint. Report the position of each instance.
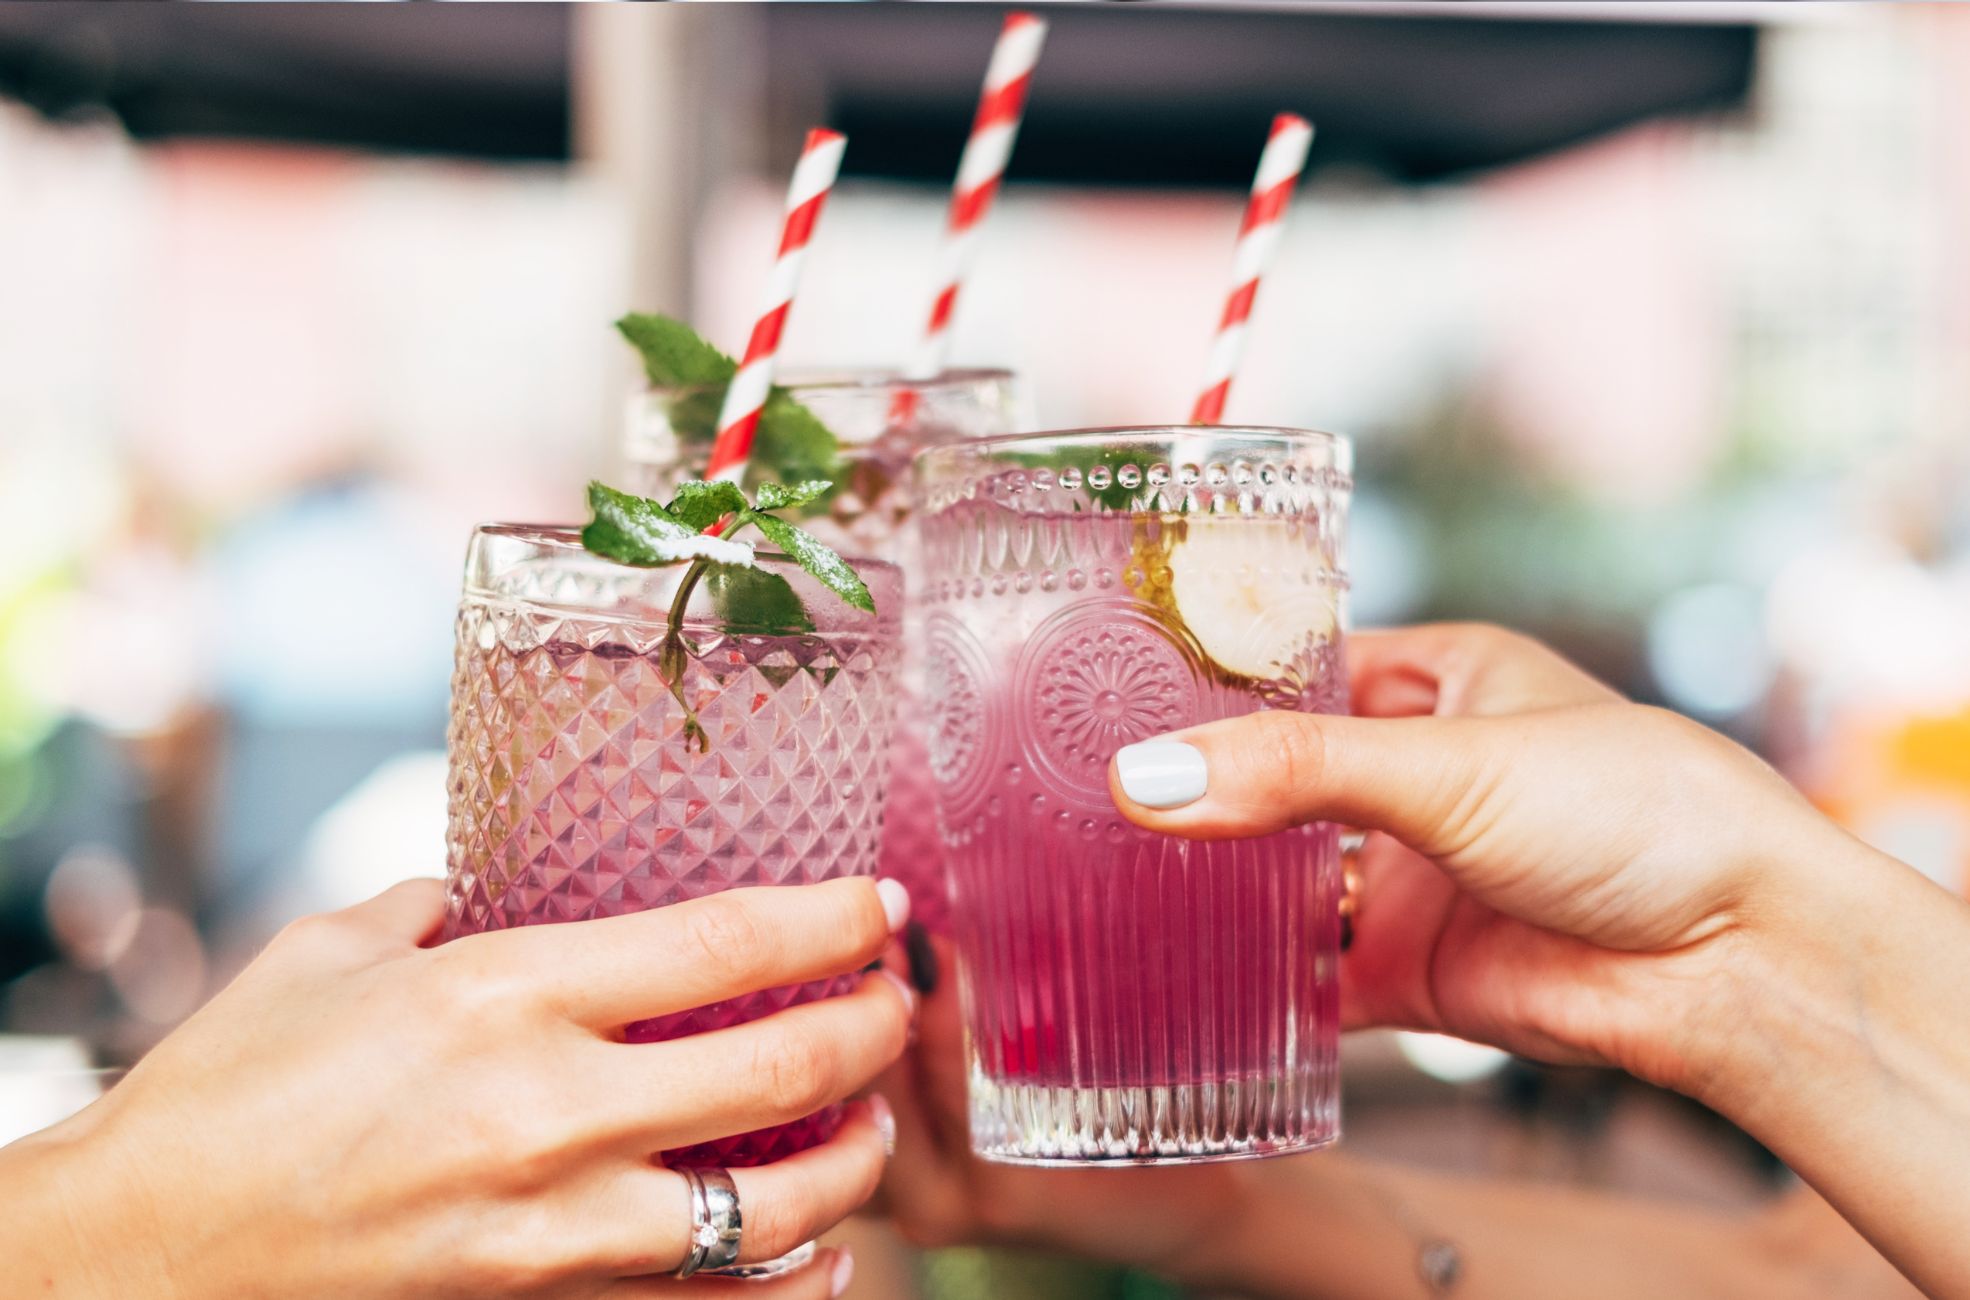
(716, 1223)
(702, 1233)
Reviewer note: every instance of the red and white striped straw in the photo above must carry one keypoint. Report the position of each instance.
(980, 169)
(1280, 166)
(738, 419)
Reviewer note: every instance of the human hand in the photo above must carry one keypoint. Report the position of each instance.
(939, 1194)
(1570, 876)
(361, 1116)
(1554, 870)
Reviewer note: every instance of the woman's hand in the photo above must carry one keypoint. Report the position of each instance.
(1330, 1226)
(361, 1116)
(1580, 879)
(1555, 870)
(1573, 877)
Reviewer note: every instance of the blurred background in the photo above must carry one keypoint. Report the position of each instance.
(1645, 318)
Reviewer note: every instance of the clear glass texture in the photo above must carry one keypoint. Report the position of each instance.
(1132, 997)
(576, 792)
(880, 421)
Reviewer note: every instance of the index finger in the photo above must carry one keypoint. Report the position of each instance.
(618, 969)
(1462, 670)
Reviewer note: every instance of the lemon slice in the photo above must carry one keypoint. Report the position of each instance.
(1256, 594)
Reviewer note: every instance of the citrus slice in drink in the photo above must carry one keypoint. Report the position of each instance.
(1255, 594)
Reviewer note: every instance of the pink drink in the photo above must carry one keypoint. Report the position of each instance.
(1132, 996)
(869, 515)
(574, 794)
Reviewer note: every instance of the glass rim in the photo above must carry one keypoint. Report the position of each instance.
(499, 550)
(567, 537)
(860, 379)
(1338, 448)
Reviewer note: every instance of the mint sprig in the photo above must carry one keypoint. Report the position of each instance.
(790, 445)
(697, 525)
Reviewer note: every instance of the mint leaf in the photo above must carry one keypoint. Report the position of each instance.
(674, 356)
(757, 601)
(815, 556)
(628, 528)
(791, 444)
(699, 505)
(783, 496)
(636, 530)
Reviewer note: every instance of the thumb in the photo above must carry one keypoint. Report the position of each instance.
(1423, 780)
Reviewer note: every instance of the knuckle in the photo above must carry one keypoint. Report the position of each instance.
(1690, 739)
(722, 932)
(796, 1069)
(468, 990)
(531, 1145)
(1491, 638)
(1704, 759)
(319, 938)
(1292, 749)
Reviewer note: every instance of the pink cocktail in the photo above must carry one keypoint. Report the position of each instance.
(869, 514)
(1132, 996)
(575, 794)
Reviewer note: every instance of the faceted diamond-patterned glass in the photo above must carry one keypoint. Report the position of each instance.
(575, 794)
(880, 420)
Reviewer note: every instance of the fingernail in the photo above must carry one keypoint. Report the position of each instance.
(895, 902)
(843, 1274)
(1162, 773)
(885, 1119)
(923, 958)
(903, 987)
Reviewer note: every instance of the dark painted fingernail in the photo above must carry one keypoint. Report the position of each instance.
(923, 958)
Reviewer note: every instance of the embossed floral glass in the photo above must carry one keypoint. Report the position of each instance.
(1129, 996)
(574, 793)
(880, 421)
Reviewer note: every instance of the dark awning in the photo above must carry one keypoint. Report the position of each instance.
(1139, 94)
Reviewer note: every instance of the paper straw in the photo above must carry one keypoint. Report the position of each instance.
(980, 169)
(1280, 166)
(738, 419)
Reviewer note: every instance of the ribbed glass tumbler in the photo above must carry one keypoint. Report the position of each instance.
(1132, 997)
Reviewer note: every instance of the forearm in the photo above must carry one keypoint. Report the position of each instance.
(1846, 1050)
(1337, 1229)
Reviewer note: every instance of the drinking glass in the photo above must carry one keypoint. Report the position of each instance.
(1131, 996)
(879, 421)
(576, 791)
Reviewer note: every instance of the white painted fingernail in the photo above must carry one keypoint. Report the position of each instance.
(895, 902)
(885, 1118)
(843, 1274)
(1162, 773)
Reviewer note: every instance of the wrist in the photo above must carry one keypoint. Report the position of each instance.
(1791, 1000)
(42, 1235)
(74, 1229)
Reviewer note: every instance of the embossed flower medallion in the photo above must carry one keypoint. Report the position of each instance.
(1094, 677)
(962, 730)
